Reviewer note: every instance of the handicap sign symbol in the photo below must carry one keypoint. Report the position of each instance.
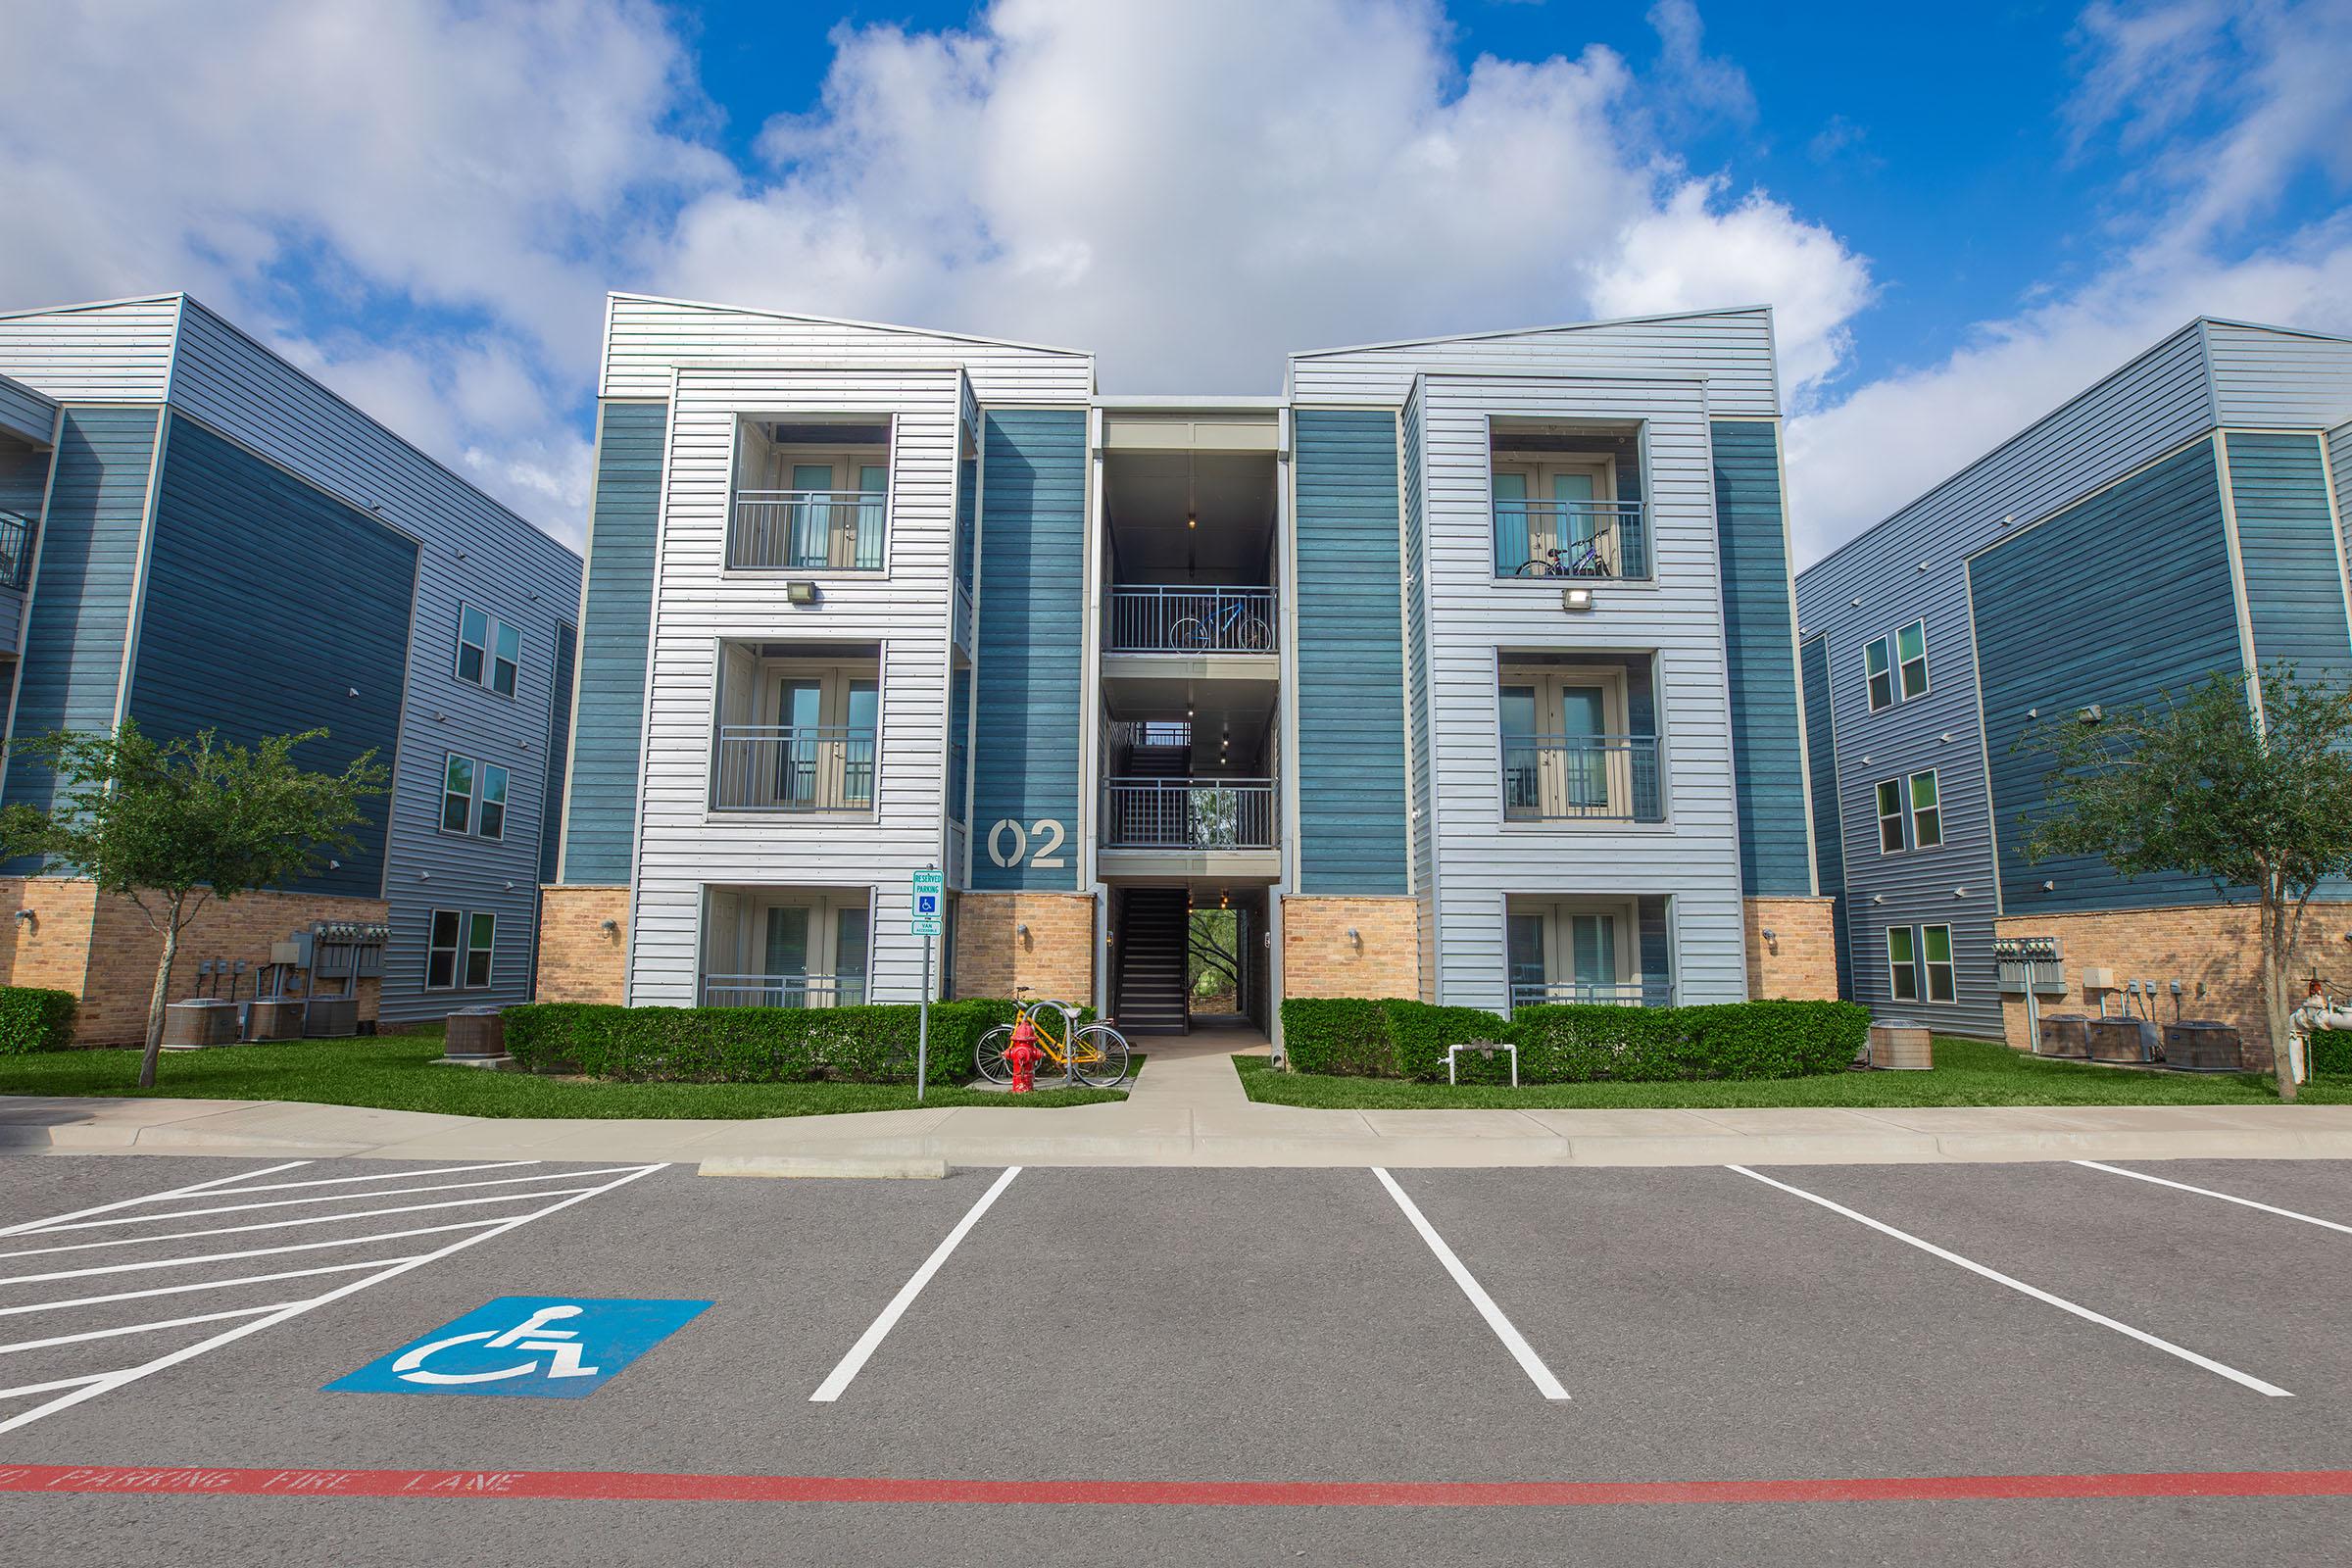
(547, 1347)
(926, 904)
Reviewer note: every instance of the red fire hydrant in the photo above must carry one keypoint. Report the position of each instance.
(1022, 1056)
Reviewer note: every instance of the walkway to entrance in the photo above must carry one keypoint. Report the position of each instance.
(1195, 1071)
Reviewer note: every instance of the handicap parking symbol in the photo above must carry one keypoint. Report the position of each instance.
(926, 904)
(544, 1346)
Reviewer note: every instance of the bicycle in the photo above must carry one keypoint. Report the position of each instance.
(1586, 562)
(1095, 1054)
(1234, 626)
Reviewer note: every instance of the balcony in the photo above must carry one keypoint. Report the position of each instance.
(1154, 619)
(794, 767)
(806, 530)
(15, 549)
(1577, 778)
(783, 991)
(1628, 994)
(1599, 539)
(1197, 814)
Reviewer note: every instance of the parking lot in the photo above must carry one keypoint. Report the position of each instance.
(2046, 1362)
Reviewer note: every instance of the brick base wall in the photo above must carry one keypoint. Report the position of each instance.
(1057, 959)
(579, 960)
(103, 950)
(1800, 961)
(1319, 958)
(2213, 945)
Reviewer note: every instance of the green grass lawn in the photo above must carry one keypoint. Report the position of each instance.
(1966, 1072)
(395, 1072)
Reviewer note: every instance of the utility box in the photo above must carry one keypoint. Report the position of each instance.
(1902, 1045)
(2120, 1038)
(200, 1025)
(346, 949)
(273, 1019)
(2030, 964)
(332, 1017)
(2204, 1045)
(2064, 1035)
(2098, 977)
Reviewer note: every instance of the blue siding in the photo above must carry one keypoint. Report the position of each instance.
(1030, 665)
(267, 604)
(1828, 837)
(1761, 647)
(81, 610)
(2286, 549)
(2113, 600)
(559, 749)
(1351, 662)
(616, 619)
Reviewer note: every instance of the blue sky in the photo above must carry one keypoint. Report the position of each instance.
(1960, 217)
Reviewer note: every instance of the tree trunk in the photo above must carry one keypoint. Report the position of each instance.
(163, 994)
(2274, 983)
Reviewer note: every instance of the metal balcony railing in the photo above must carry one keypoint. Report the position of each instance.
(15, 549)
(783, 990)
(1571, 538)
(1191, 620)
(1548, 778)
(1628, 994)
(807, 767)
(1198, 814)
(806, 530)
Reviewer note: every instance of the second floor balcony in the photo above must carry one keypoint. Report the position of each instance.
(799, 727)
(1566, 778)
(1155, 619)
(1189, 814)
(794, 767)
(15, 549)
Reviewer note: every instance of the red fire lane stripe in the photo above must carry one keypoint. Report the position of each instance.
(631, 1486)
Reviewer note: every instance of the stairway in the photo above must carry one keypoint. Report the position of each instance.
(1158, 761)
(1155, 943)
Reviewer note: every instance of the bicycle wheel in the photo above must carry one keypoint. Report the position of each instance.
(1253, 634)
(1533, 568)
(1190, 633)
(989, 1054)
(1098, 1056)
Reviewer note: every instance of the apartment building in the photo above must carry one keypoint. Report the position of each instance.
(196, 535)
(1464, 669)
(2182, 515)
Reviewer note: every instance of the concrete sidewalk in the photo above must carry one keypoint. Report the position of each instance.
(1188, 1109)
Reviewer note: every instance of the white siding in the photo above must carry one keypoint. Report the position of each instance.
(645, 338)
(25, 412)
(682, 844)
(1693, 858)
(2269, 377)
(116, 352)
(1730, 350)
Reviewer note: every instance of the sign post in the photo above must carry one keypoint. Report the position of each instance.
(930, 897)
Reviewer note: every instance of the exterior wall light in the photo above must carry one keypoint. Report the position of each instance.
(1576, 599)
(1355, 938)
(611, 928)
(800, 591)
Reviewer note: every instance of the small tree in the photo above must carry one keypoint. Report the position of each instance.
(2206, 785)
(172, 826)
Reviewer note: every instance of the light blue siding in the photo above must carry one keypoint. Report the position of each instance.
(267, 604)
(559, 748)
(1829, 842)
(1760, 645)
(25, 414)
(1030, 667)
(80, 614)
(2110, 601)
(2286, 549)
(617, 610)
(1350, 694)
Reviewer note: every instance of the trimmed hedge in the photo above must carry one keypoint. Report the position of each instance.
(748, 1044)
(2330, 1053)
(34, 1020)
(1575, 1044)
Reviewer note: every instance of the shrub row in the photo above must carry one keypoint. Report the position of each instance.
(34, 1020)
(2330, 1054)
(1575, 1044)
(748, 1044)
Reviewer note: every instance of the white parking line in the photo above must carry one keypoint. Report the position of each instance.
(2019, 1286)
(848, 1367)
(342, 1218)
(85, 1334)
(151, 1198)
(2226, 1197)
(396, 1175)
(54, 1383)
(250, 1251)
(110, 1381)
(1513, 1339)
(296, 1203)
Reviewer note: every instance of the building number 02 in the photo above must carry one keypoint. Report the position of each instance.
(1047, 854)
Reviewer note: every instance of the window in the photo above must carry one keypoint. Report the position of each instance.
(1903, 964)
(474, 643)
(482, 935)
(441, 952)
(1936, 940)
(493, 824)
(1876, 673)
(1927, 816)
(1545, 505)
(1911, 649)
(504, 668)
(456, 795)
(1891, 816)
(489, 651)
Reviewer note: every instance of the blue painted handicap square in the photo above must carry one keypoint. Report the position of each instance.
(926, 904)
(545, 1346)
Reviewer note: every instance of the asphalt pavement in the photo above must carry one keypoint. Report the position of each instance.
(1919, 1363)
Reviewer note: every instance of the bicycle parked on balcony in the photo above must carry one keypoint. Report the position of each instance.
(1578, 558)
(1234, 626)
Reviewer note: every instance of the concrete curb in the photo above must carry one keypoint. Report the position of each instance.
(790, 1166)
